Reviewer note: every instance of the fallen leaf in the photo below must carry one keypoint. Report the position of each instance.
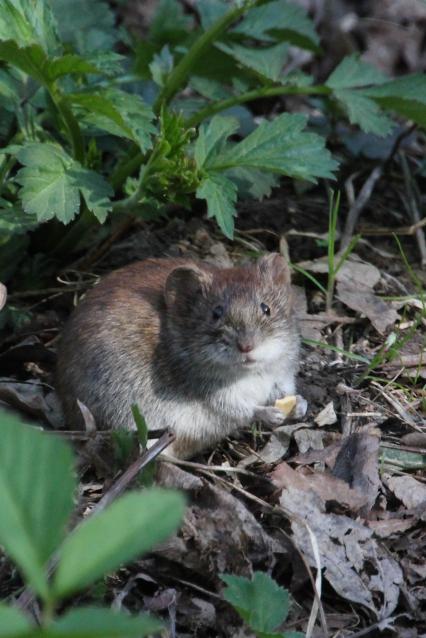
(409, 491)
(32, 398)
(362, 299)
(327, 416)
(354, 563)
(327, 487)
(386, 528)
(353, 271)
(357, 464)
(309, 440)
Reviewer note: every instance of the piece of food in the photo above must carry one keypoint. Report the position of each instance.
(286, 404)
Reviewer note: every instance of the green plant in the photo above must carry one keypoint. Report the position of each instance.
(92, 133)
(260, 602)
(37, 484)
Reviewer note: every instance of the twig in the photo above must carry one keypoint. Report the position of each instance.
(411, 205)
(365, 193)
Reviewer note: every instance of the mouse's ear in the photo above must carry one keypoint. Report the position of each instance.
(185, 283)
(274, 266)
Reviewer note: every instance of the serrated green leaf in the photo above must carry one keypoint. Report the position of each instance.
(52, 181)
(31, 59)
(280, 20)
(96, 191)
(260, 602)
(161, 65)
(169, 24)
(119, 113)
(211, 138)
(280, 146)
(91, 31)
(12, 622)
(210, 11)
(221, 195)
(353, 72)
(9, 96)
(251, 181)
(365, 112)
(406, 96)
(150, 517)
(14, 221)
(210, 89)
(36, 488)
(28, 23)
(98, 622)
(267, 61)
(67, 64)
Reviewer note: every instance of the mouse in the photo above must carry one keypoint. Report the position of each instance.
(201, 350)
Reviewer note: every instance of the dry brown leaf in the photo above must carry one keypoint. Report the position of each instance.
(31, 398)
(354, 271)
(354, 563)
(327, 416)
(326, 487)
(409, 491)
(357, 464)
(362, 299)
(386, 528)
(219, 534)
(308, 439)
(328, 455)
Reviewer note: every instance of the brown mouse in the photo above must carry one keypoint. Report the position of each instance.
(202, 350)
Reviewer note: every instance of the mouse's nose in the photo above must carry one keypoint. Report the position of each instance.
(245, 345)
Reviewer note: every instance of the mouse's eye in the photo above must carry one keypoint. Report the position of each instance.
(265, 309)
(218, 312)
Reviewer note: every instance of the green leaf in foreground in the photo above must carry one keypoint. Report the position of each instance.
(268, 61)
(221, 195)
(35, 497)
(260, 602)
(212, 137)
(280, 20)
(95, 622)
(280, 146)
(12, 622)
(129, 527)
(52, 181)
(353, 72)
(405, 96)
(365, 112)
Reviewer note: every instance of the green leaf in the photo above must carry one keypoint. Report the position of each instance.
(52, 181)
(129, 527)
(170, 25)
(91, 31)
(119, 113)
(268, 61)
(141, 426)
(406, 96)
(161, 65)
(210, 89)
(14, 221)
(28, 23)
(36, 488)
(98, 622)
(67, 64)
(280, 146)
(31, 59)
(402, 459)
(353, 72)
(280, 20)
(12, 622)
(221, 195)
(251, 181)
(210, 11)
(260, 602)
(365, 112)
(211, 138)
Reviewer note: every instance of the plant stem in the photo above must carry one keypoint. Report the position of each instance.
(270, 91)
(124, 170)
(72, 236)
(181, 71)
(70, 123)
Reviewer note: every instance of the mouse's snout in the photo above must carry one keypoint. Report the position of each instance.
(245, 344)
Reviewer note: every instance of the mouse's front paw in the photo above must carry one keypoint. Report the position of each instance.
(300, 408)
(270, 416)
